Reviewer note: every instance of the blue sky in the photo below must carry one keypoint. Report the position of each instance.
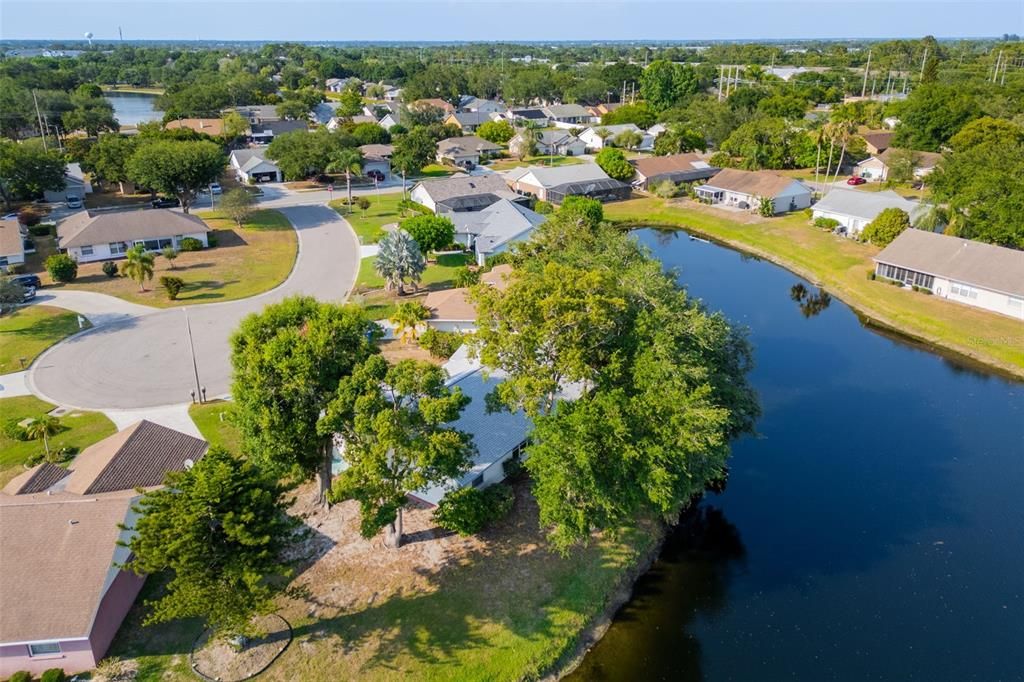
(504, 20)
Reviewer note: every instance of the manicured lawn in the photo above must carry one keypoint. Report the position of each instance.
(841, 266)
(214, 421)
(435, 170)
(438, 275)
(81, 429)
(367, 224)
(244, 263)
(28, 331)
(505, 164)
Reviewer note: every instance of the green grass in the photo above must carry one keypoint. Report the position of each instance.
(27, 332)
(214, 421)
(438, 275)
(367, 224)
(81, 429)
(435, 170)
(841, 266)
(505, 164)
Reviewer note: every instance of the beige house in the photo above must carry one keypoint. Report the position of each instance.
(465, 152)
(12, 244)
(876, 168)
(91, 237)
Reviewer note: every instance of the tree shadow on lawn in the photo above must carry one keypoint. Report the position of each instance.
(229, 237)
(43, 328)
(208, 287)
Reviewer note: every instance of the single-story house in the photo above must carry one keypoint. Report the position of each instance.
(529, 115)
(744, 189)
(973, 273)
(12, 244)
(468, 121)
(257, 113)
(75, 185)
(338, 121)
(388, 121)
(340, 84)
(551, 143)
(461, 193)
(854, 209)
(391, 93)
(63, 595)
(675, 168)
(602, 190)
(495, 228)
(251, 165)
(599, 110)
(325, 111)
(878, 141)
(207, 126)
(538, 180)
(377, 158)
(88, 236)
(465, 151)
(265, 131)
(592, 137)
(452, 311)
(876, 167)
(480, 105)
(565, 115)
(433, 103)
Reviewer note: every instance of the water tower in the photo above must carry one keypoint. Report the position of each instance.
(88, 36)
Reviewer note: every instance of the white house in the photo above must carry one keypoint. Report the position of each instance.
(12, 244)
(252, 166)
(876, 167)
(494, 229)
(975, 274)
(676, 168)
(468, 121)
(339, 84)
(377, 160)
(744, 190)
(551, 143)
(75, 185)
(465, 151)
(567, 115)
(592, 137)
(91, 237)
(854, 209)
(461, 193)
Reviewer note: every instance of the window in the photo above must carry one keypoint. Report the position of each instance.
(478, 481)
(86, 250)
(118, 247)
(963, 290)
(3, 261)
(44, 649)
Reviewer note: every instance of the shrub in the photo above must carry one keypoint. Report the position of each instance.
(666, 189)
(808, 212)
(13, 430)
(21, 676)
(826, 223)
(170, 253)
(62, 267)
(464, 277)
(430, 232)
(53, 675)
(190, 244)
(469, 510)
(14, 268)
(886, 226)
(765, 207)
(440, 344)
(363, 203)
(543, 207)
(172, 285)
(613, 162)
(110, 268)
(407, 204)
(28, 217)
(871, 275)
(44, 230)
(498, 259)
(512, 467)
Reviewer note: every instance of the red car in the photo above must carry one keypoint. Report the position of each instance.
(856, 181)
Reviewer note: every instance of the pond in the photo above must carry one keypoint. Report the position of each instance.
(872, 529)
(131, 108)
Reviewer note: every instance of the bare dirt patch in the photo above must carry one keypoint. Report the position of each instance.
(219, 659)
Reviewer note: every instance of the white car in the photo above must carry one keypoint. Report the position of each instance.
(215, 188)
(74, 202)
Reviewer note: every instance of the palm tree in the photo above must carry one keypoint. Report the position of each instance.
(41, 428)
(348, 161)
(407, 318)
(138, 265)
(399, 260)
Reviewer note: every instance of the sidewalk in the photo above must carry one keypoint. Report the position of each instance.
(100, 309)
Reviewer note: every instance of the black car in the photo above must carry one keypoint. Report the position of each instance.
(28, 281)
(165, 202)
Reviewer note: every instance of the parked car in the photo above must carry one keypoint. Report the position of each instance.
(30, 293)
(856, 181)
(165, 202)
(375, 175)
(215, 188)
(28, 281)
(743, 204)
(74, 202)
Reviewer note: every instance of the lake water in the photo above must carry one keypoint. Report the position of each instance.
(872, 530)
(134, 108)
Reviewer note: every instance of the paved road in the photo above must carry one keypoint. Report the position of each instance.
(100, 309)
(145, 360)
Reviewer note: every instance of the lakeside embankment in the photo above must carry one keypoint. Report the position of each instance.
(841, 266)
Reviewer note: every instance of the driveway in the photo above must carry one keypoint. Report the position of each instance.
(146, 360)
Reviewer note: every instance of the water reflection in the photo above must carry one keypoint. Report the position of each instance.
(810, 304)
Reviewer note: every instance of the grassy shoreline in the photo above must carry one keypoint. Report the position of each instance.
(840, 266)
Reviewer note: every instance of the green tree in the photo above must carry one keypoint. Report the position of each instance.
(613, 162)
(26, 171)
(413, 151)
(238, 205)
(350, 102)
(172, 286)
(62, 267)
(399, 260)
(12, 295)
(678, 140)
(665, 84)
(91, 113)
(640, 115)
(987, 130)
(468, 511)
(170, 254)
(396, 439)
(139, 265)
(431, 232)
(902, 163)
(287, 362)
(498, 132)
(764, 143)
(628, 139)
(370, 133)
(886, 226)
(293, 109)
(220, 529)
(350, 162)
(107, 160)
(300, 154)
(407, 319)
(176, 168)
(932, 114)
(41, 428)
(235, 125)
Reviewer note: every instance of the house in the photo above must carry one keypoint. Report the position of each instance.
(340, 84)
(550, 143)
(324, 112)
(257, 113)
(744, 189)
(61, 530)
(495, 228)
(675, 168)
(391, 93)
(599, 110)
(465, 151)
(89, 236)
(75, 185)
(597, 137)
(468, 121)
(461, 193)
(433, 103)
(213, 127)
(338, 121)
(483, 106)
(854, 209)
(12, 244)
(657, 129)
(252, 166)
(388, 121)
(877, 167)
(530, 115)
(975, 274)
(377, 160)
(265, 131)
(554, 184)
(567, 115)
(452, 311)
(877, 141)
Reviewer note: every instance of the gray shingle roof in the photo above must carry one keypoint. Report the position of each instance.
(463, 185)
(865, 205)
(468, 144)
(36, 480)
(85, 229)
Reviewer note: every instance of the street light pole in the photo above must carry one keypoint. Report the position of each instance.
(192, 349)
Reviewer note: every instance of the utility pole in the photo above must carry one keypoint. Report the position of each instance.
(924, 60)
(867, 67)
(721, 78)
(192, 348)
(42, 130)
